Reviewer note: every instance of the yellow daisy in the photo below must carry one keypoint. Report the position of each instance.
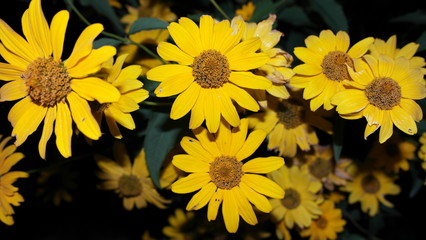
(326, 59)
(132, 93)
(300, 203)
(392, 155)
(181, 224)
(246, 11)
(328, 225)
(52, 90)
(422, 150)
(214, 162)
(289, 125)
(8, 193)
(383, 91)
(130, 181)
(277, 69)
(389, 48)
(369, 187)
(212, 71)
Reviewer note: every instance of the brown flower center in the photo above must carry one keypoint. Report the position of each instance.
(290, 114)
(334, 66)
(384, 93)
(320, 168)
(370, 184)
(48, 81)
(226, 172)
(129, 186)
(211, 69)
(291, 198)
(321, 222)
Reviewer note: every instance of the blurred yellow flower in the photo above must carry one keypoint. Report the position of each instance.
(130, 181)
(246, 11)
(214, 162)
(422, 150)
(212, 73)
(179, 225)
(8, 193)
(52, 90)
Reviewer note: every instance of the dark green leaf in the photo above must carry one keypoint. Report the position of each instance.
(147, 23)
(103, 8)
(332, 13)
(106, 41)
(416, 17)
(162, 135)
(264, 8)
(294, 15)
(422, 41)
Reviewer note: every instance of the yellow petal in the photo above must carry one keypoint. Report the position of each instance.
(201, 198)
(174, 85)
(191, 183)
(63, 129)
(91, 63)
(10, 72)
(386, 128)
(342, 41)
(263, 165)
(328, 40)
(258, 200)
(249, 80)
(263, 185)
(28, 122)
(308, 55)
(230, 212)
(13, 90)
(194, 148)
(206, 32)
(251, 144)
(37, 29)
(243, 99)
(124, 119)
(360, 48)
(170, 52)
(207, 140)
(308, 69)
(228, 110)
(214, 204)
(239, 135)
(184, 40)
(57, 31)
(185, 101)
(13, 59)
(211, 108)
(244, 207)
(167, 71)
(47, 130)
(94, 88)
(190, 163)
(15, 43)
(403, 120)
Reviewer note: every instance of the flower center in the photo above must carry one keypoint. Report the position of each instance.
(291, 198)
(370, 184)
(290, 114)
(48, 81)
(211, 69)
(334, 66)
(129, 186)
(384, 93)
(320, 168)
(226, 172)
(321, 222)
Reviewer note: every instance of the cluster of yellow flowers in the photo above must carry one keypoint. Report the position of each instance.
(239, 90)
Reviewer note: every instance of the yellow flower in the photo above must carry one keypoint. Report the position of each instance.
(300, 203)
(277, 69)
(246, 11)
(369, 187)
(212, 71)
(383, 91)
(325, 65)
(8, 193)
(132, 93)
(149, 38)
(52, 90)
(214, 162)
(289, 125)
(130, 181)
(422, 150)
(328, 224)
(114, 3)
(389, 48)
(179, 222)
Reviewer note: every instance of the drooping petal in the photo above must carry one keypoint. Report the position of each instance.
(214, 204)
(63, 129)
(403, 120)
(28, 122)
(47, 131)
(230, 212)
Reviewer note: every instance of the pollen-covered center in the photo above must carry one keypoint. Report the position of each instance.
(334, 65)
(48, 81)
(211, 69)
(291, 198)
(384, 93)
(370, 184)
(226, 172)
(129, 186)
(290, 114)
(321, 222)
(320, 168)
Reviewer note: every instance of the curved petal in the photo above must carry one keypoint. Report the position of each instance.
(171, 52)
(258, 200)
(201, 198)
(194, 148)
(403, 120)
(92, 88)
(91, 62)
(47, 131)
(63, 129)
(185, 101)
(174, 85)
(191, 183)
(240, 96)
(251, 144)
(184, 40)
(244, 207)
(28, 122)
(360, 48)
(57, 32)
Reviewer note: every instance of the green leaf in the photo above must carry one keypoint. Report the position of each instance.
(422, 41)
(105, 41)
(103, 8)
(416, 17)
(264, 8)
(294, 15)
(147, 23)
(162, 135)
(332, 13)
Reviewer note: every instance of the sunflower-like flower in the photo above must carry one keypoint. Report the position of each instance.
(328, 224)
(300, 203)
(289, 124)
(277, 69)
(383, 91)
(326, 59)
(389, 48)
(52, 90)
(181, 225)
(131, 94)
(369, 187)
(214, 162)
(212, 71)
(246, 11)
(8, 193)
(130, 181)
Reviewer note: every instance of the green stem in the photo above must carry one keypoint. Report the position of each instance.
(220, 9)
(123, 40)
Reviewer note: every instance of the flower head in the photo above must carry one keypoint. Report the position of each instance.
(52, 90)
(211, 73)
(215, 164)
(326, 58)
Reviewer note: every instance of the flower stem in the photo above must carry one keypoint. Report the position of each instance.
(220, 9)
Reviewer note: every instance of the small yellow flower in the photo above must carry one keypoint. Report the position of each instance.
(422, 151)
(246, 11)
(130, 181)
(8, 193)
(179, 222)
